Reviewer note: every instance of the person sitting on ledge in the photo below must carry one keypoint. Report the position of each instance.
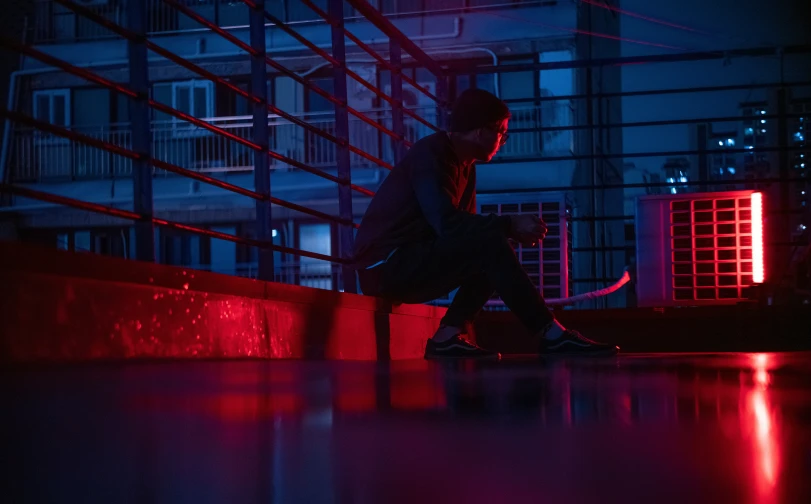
(421, 237)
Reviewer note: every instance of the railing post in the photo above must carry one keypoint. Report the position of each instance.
(261, 167)
(443, 93)
(395, 58)
(347, 233)
(141, 133)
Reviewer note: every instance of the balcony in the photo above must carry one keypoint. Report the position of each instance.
(54, 23)
(40, 157)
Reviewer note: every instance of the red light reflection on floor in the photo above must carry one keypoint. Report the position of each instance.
(760, 422)
(415, 387)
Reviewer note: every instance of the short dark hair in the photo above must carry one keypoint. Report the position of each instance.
(477, 108)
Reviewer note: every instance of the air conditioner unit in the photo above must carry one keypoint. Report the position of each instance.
(549, 263)
(699, 249)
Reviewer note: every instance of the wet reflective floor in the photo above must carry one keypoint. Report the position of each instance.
(634, 429)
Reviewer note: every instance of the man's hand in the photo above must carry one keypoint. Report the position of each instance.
(527, 229)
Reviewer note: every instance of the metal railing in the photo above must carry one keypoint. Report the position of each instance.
(39, 156)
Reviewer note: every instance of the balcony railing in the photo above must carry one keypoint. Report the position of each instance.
(56, 23)
(37, 156)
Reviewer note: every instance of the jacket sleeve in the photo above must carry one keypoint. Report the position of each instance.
(434, 183)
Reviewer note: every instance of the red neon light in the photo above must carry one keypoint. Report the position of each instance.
(758, 269)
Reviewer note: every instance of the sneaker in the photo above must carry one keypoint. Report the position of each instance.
(573, 343)
(457, 348)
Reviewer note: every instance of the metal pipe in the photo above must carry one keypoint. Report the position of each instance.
(261, 164)
(141, 134)
(397, 92)
(346, 240)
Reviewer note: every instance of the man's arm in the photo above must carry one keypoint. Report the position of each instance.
(435, 187)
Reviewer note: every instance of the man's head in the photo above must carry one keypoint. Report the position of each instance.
(481, 120)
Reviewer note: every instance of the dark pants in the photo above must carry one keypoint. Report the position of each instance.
(478, 265)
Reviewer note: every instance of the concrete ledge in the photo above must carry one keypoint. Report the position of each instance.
(62, 306)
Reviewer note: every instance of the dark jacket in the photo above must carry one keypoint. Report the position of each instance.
(427, 194)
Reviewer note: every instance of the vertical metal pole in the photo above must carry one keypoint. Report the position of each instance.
(444, 94)
(395, 58)
(781, 229)
(261, 166)
(141, 133)
(347, 234)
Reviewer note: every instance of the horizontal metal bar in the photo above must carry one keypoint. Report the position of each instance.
(631, 217)
(585, 218)
(456, 69)
(618, 155)
(376, 18)
(648, 92)
(250, 50)
(618, 248)
(666, 122)
(641, 185)
(593, 280)
(157, 163)
(126, 214)
(86, 74)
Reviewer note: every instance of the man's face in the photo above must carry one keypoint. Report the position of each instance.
(490, 139)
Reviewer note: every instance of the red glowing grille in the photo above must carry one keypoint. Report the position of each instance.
(716, 247)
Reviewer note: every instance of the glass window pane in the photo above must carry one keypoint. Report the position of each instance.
(317, 102)
(43, 108)
(486, 82)
(183, 99)
(200, 102)
(59, 106)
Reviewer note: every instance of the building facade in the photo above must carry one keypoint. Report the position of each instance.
(461, 34)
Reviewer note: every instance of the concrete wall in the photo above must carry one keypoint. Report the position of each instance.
(59, 306)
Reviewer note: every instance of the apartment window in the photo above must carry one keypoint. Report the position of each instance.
(53, 106)
(194, 97)
(183, 249)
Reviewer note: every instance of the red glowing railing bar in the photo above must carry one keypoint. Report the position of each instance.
(86, 74)
(121, 151)
(250, 50)
(126, 214)
(758, 264)
(368, 49)
(129, 35)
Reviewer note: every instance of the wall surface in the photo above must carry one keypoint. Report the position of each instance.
(59, 306)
